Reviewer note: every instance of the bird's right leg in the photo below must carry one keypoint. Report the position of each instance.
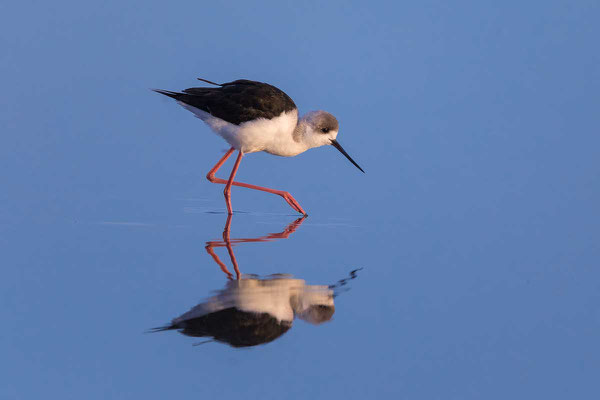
(286, 195)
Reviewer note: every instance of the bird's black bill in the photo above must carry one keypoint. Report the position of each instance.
(335, 144)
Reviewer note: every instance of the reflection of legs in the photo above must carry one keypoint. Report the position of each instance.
(291, 228)
(229, 243)
(212, 178)
(209, 250)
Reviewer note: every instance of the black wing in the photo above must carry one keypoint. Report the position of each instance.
(238, 101)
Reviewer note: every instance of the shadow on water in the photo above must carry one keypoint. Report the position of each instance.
(252, 310)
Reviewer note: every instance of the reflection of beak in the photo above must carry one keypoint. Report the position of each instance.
(335, 144)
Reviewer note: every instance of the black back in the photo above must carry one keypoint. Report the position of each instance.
(238, 101)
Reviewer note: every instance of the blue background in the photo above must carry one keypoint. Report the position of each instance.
(476, 223)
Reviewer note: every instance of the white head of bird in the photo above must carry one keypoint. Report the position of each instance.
(320, 128)
(317, 128)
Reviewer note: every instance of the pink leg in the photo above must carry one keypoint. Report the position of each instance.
(218, 165)
(212, 178)
(227, 190)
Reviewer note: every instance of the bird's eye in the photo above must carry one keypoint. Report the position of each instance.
(324, 130)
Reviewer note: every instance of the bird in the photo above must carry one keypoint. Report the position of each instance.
(254, 116)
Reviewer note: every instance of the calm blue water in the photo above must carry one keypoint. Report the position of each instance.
(476, 224)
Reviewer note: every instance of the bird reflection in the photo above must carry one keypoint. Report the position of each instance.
(252, 310)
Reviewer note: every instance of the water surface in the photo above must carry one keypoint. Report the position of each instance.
(476, 224)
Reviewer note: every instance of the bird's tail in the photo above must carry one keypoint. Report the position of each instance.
(161, 328)
(173, 95)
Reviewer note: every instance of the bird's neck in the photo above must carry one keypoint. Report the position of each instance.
(299, 133)
(305, 135)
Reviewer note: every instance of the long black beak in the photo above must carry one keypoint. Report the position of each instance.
(335, 144)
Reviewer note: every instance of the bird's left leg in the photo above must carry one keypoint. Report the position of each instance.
(227, 191)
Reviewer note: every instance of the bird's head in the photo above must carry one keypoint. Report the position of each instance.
(321, 129)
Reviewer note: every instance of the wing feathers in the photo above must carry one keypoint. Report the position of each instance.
(236, 102)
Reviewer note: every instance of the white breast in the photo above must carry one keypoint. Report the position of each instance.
(271, 135)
